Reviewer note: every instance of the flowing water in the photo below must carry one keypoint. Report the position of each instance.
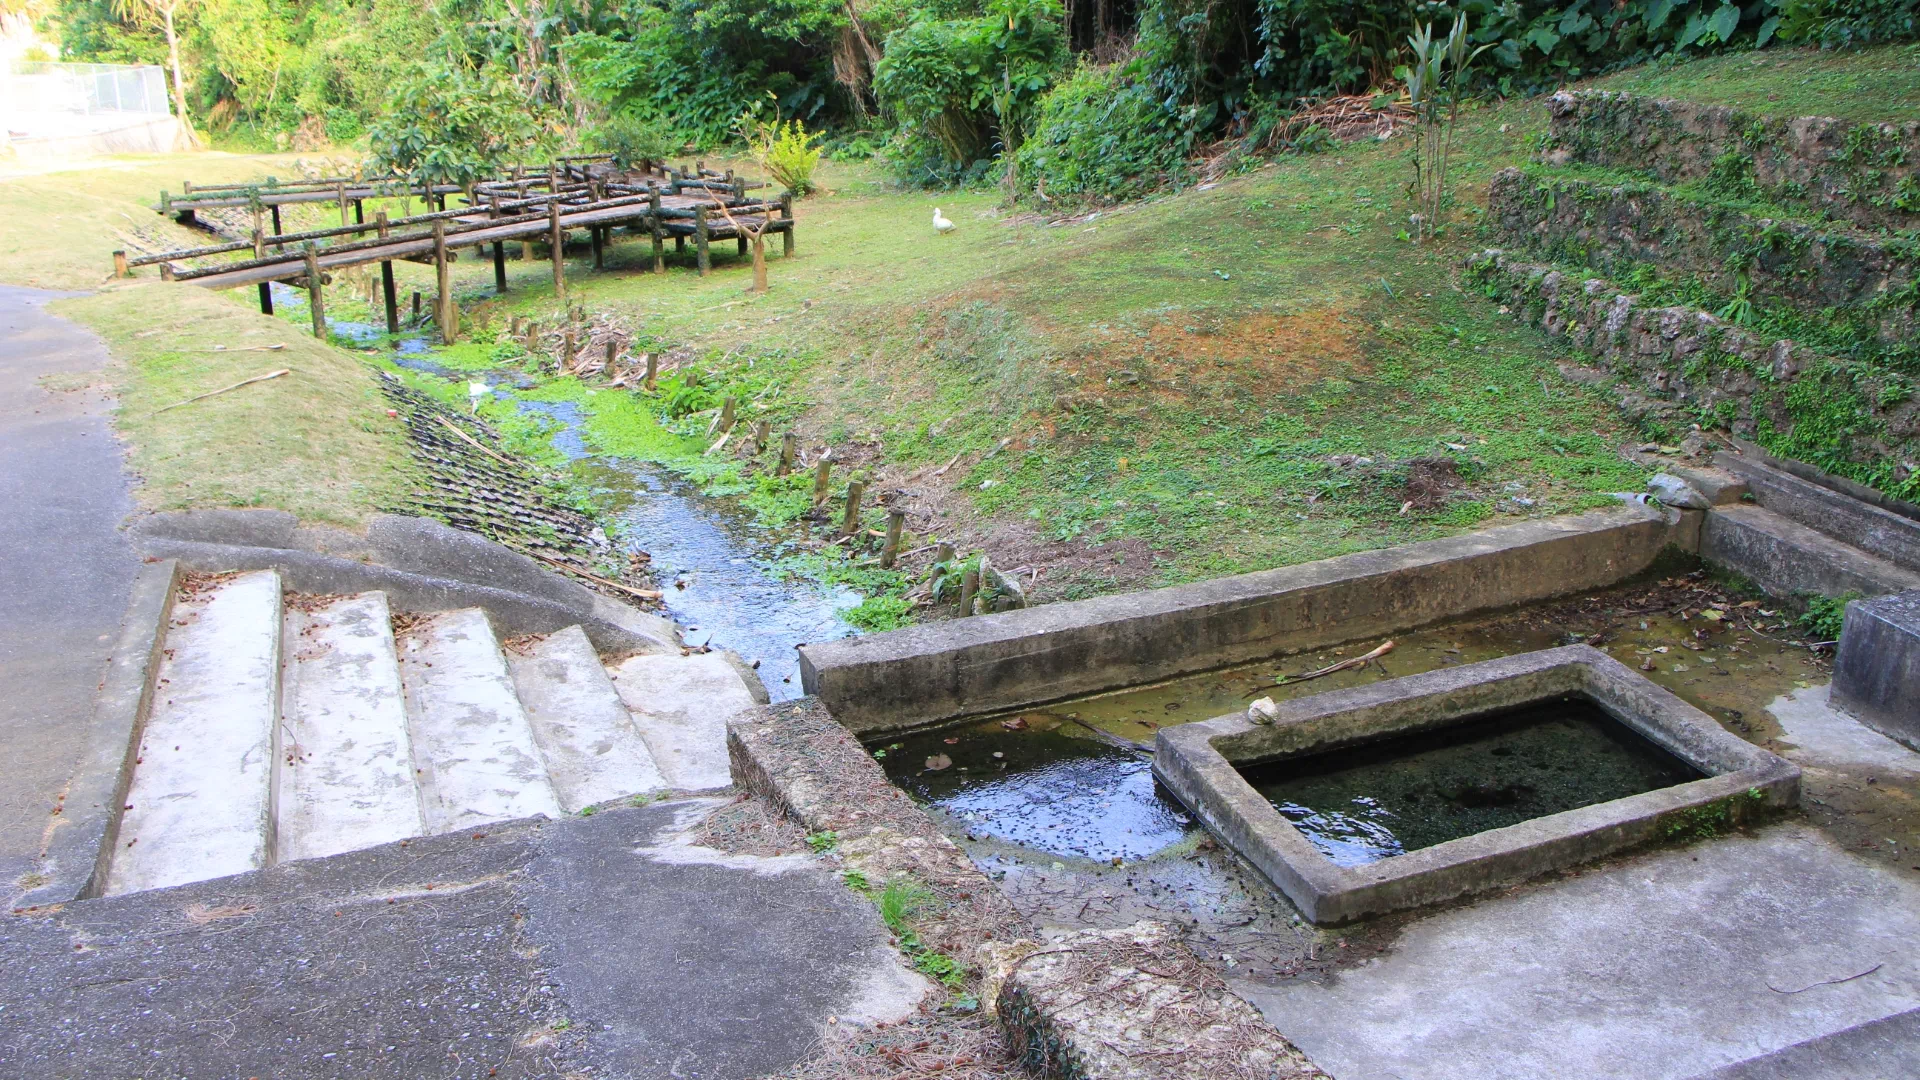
(720, 573)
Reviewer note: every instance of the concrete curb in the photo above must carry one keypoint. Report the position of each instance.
(1105, 1004)
(79, 845)
(612, 627)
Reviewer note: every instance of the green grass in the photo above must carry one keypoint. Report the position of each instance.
(316, 442)
(1878, 85)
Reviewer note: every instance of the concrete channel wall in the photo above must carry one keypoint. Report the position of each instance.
(924, 675)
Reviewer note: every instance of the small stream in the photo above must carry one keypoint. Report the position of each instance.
(717, 568)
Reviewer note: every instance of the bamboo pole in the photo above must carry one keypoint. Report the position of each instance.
(315, 302)
(786, 235)
(969, 588)
(567, 348)
(786, 455)
(850, 523)
(653, 369)
(890, 548)
(760, 432)
(822, 472)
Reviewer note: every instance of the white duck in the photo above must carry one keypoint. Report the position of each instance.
(941, 223)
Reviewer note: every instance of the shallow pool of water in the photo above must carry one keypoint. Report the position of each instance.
(1370, 802)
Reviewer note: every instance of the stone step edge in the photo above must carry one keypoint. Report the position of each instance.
(1600, 316)
(73, 861)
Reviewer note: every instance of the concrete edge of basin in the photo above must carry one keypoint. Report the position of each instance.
(80, 840)
(1200, 763)
(1064, 1020)
(925, 675)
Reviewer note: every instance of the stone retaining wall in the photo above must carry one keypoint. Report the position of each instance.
(1837, 272)
(1682, 364)
(1866, 173)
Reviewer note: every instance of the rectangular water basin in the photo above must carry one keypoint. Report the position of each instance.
(1653, 766)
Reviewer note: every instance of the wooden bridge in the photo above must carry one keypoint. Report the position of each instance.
(588, 193)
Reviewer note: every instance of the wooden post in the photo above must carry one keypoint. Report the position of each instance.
(359, 211)
(499, 266)
(740, 241)
(259, 228)
(443, 310)
(166, 271)
(786, 235)
(315, 302)
(613, 354)
(679, 245)
(416, 307)
(890, 548)
(850, 524)
(567, 348)
(558, 239)
(386, 278)
(259, 243)
(969, 588)
(725, 422)
(277, 230)
(653, 369)
(703, 257)
(822, 471)
(532, 338)
(599, 248)
(760, 432)
(343, 204)
(659, 249)
(120, 262)
(786, 455)
(266, 298)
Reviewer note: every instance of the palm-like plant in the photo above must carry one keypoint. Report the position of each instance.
(164, 12)
(1436, 84)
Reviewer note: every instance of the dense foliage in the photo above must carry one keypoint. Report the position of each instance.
(1093, 99)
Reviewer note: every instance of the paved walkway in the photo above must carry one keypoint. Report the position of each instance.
(607, 946)
(66, 567)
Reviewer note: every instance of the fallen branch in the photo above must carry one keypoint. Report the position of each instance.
(224, 389)
(942, 470)
(471, 441)
(1344, 665)
(1111, 739)
(251, 348)
(1828, 982)
(644, 594)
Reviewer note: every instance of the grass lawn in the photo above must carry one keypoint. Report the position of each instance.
(1250, 375)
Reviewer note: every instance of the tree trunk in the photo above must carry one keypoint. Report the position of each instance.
(179, 85)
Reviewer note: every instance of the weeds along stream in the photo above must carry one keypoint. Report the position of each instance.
(725, 578)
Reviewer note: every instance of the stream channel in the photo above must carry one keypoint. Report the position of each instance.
(718, 570)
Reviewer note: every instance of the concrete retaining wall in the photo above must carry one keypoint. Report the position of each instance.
(927, 674)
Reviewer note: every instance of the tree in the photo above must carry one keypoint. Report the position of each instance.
(164, 11)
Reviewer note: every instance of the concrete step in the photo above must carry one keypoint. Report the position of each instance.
(681, 705)
(1857, 516)
(474, 755)
(345, 761)
(587, 739)
(199, 805)
(1786, 558)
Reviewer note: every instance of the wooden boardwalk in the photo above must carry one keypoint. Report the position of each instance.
(573, 194)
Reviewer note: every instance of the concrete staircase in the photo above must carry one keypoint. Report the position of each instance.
(287, 727)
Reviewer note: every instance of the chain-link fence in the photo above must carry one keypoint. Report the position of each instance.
(54, 100)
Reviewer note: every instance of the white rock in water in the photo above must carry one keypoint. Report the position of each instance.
(1674, 491)
(1263, 711)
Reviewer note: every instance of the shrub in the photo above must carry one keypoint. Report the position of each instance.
(452, 125)
(1100, 135)
(1848, 23)
(632, 139)
(786, 149)
(964, 89)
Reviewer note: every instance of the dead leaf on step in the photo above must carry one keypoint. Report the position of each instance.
(938, 762)
(1015, 723)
